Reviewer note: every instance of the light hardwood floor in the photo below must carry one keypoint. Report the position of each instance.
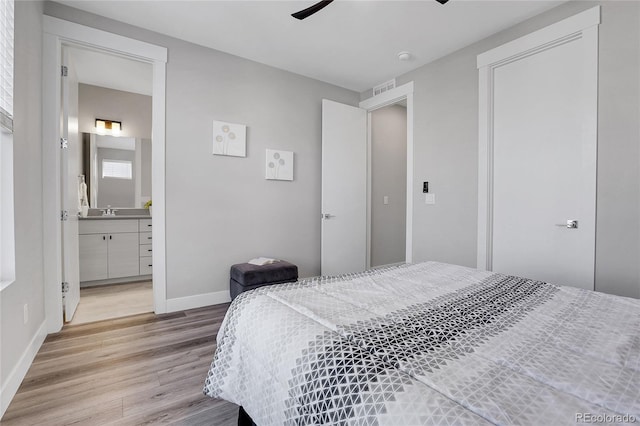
(141, 370)
(113, 301)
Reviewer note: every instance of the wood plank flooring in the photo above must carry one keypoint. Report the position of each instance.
(140, 370)
(113, 301)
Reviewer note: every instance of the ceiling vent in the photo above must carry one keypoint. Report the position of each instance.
(386, 86)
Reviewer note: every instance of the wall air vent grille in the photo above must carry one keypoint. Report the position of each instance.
(387, 85)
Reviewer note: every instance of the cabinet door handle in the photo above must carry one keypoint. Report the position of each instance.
(104, 238)
(150, 265)
(149, 250)
(149, 225)
(111, 237)
(148, 238)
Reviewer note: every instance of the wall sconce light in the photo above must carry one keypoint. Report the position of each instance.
(108, 126)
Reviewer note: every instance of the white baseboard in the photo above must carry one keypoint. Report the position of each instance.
(198, 301)
(11, 385)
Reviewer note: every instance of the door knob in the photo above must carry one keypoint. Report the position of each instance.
(326, 216)
(571, 224)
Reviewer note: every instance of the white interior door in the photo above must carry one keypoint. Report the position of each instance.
(69, 194)
(544, 167)
(344, 188)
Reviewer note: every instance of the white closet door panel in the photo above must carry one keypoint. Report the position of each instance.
(544, 173)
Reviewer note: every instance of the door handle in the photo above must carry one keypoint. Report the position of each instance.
(571, 224)
(326, 216)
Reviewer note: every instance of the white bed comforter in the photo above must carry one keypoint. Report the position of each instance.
(429, 343)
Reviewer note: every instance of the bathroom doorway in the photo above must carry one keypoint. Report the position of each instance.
(107, 184)
(388, 183)
(56, 34)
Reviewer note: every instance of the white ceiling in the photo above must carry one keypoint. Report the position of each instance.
(352, 44)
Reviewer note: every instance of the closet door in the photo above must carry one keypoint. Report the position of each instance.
(542, 118)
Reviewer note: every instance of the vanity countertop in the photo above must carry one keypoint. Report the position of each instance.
(116, 217)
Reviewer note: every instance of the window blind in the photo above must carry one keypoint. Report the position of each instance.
(6, 64)
(118, 169)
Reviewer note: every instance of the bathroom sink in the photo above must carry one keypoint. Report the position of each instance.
(119, 214)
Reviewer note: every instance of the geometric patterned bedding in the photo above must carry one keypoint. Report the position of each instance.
(429, 343)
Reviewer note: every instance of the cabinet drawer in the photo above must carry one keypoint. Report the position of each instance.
(145, 225)
(107, 226)
(145, 238)
(145, 250)
(146, 266)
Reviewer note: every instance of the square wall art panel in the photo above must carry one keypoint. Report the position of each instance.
(279, 165)
(229, 139)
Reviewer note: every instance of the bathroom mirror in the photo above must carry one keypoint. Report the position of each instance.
(117, 170)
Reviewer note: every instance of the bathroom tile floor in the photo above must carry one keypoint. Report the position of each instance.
(113, 301)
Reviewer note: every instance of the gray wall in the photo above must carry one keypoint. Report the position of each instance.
(221, 210)
(388, 177)
(116, 192)
(145, 167)
(446, 147)
(29, 285)
(132, 109)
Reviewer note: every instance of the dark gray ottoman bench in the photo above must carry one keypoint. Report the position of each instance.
(245, 276)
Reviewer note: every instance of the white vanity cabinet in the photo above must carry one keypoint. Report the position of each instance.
(93, 257)
(123, 255)
(110, 249)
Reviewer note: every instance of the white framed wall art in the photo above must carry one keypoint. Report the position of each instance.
(279, 165)
(229, 139)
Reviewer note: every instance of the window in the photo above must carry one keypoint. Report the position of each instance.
(118, 169)
(6, 64)
(7, 240)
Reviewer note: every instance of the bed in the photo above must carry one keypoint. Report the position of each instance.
(429, 343)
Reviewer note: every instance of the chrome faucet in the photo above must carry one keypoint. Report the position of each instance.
(109, 211)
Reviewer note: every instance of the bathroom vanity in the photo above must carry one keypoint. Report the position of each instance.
(115, 249)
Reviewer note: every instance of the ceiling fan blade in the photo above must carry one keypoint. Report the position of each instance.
(313, 9)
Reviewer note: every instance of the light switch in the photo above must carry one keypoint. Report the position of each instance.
(385, 199)
(429, 198)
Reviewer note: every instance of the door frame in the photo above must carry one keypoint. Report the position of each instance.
(373, 103)
(56, 33)
(583, 26)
